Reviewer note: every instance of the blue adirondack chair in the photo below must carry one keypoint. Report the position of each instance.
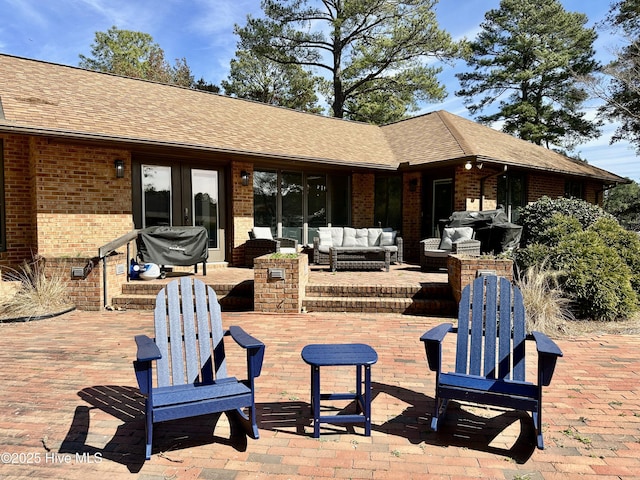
(190, 366)
(490, 353)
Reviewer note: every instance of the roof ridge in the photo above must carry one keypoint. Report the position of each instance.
(460, 139)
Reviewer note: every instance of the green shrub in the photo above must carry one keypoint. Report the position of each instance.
(556, 228)
(534, 217)
(595, 277)
(625, 243)
(533, 255)
(551, 232)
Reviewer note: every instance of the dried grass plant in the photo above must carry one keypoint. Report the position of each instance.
(548, 309)
(36, 294)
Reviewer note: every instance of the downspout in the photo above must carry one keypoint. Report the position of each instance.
(482, 180)
(104, 280)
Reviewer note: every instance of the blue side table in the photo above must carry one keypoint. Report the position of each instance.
(327, 355)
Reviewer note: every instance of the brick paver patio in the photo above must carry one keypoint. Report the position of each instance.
(70, 409)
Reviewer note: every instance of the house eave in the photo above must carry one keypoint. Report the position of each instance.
(610, 178)
(143, 142)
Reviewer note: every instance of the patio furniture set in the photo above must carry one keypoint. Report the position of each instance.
(190, 377)
(346, 248)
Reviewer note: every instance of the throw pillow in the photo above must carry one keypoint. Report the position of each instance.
(262, 232)
(451, 235)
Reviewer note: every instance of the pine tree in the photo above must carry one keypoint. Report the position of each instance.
(622, 95)
(370, 54)
(525, 62)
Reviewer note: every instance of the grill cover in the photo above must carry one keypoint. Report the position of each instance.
(492, 228)
(180, 246)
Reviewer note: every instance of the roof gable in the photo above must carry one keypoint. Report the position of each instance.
(441, 136)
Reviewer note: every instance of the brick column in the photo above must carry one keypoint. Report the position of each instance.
(282, 295)
(463, 270)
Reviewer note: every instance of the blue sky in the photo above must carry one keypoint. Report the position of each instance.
(202, 32)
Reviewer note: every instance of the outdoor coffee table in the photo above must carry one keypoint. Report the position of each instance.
(332, 355)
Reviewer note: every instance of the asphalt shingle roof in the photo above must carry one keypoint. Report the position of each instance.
(45, 98)
(450, 136)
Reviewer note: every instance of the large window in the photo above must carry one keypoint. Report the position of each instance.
(388, 201)
(574, 189)
(3, 243)
(295, 204)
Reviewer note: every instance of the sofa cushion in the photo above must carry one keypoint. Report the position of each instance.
(262, 232)
(349, 238)
(437, 253)
(387, 238)
(374, 236)
(362, 237)
(325, 237)
(336, 234)
(451, 235)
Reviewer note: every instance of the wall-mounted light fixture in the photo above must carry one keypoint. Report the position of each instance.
(119, 164)
(469, 165)
(244, 176)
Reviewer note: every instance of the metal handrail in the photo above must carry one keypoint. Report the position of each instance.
(108, 249)
(117, 243)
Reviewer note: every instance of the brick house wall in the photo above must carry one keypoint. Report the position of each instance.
(88, 293)
(79, 203)
(64, 202)
(467, 189)
(362, 199)
(539, 185)
(241, 210)
(411, 214)
(19, 205)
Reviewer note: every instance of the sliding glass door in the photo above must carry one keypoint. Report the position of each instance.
(295, 204)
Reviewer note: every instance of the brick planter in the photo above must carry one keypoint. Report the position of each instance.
(464, 269)
(280, 282)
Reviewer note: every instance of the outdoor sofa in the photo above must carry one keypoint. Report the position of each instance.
(357, 248)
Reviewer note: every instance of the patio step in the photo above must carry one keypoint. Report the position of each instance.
(427, 299)
(142, 296)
